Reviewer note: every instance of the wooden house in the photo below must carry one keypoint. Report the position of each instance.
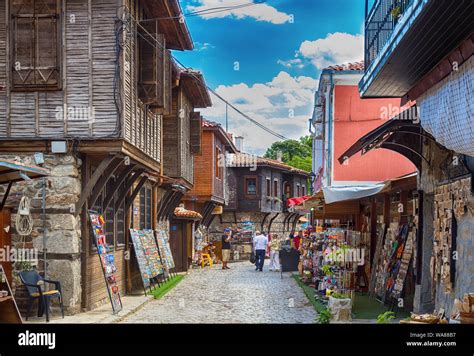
(258, 192)
(210, 187)
(91, 84)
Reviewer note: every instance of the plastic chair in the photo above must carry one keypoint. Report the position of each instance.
(31, 281)
(205, 257)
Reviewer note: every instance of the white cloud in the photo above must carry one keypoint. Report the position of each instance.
(199, 47)
(284, 104)
(291, 63)
(336, 48)
(259, 12)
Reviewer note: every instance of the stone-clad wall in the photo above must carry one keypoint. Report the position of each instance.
(63, 229)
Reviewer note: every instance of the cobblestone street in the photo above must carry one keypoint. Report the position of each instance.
(238, 295)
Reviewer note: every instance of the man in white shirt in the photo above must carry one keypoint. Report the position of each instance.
(260, 242)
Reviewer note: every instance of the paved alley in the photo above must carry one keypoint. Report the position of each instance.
(238, 295)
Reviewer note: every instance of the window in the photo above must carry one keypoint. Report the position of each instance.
(145, 208)
(268, 187)
(35, 44)
(303, 190)
(298, 190)
(275, 188)
(218, 166)
(251, 186)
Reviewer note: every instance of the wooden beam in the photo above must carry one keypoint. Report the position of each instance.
(136, 190)
(5, 195)
(166, 204)
(117, 184)
(271, 221)
(86, 191)
(128, 185)
(163, 202)
(100, 184)
(263, 221)
(173, 204)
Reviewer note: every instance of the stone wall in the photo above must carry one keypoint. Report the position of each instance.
(464, 277)
(60, 231)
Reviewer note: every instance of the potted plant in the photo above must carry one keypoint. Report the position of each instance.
(396, 13)
(324, 316)
(385, 318)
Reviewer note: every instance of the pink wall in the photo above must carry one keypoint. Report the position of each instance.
(353, 118)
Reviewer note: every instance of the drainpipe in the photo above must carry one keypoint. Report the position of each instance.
(43, 207)
(330, 122)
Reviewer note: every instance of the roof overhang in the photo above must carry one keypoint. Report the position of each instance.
(226, 140)
(402, 134)
(171, 23)
(425, 33)
(195, 87)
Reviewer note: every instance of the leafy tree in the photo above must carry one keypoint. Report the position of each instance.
(295, 153)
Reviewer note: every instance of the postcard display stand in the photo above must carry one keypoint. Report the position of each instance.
(107, 260)
(9, 313)
(165, 251)
(148, 257)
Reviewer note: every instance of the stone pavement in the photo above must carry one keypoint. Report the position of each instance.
(238, 295)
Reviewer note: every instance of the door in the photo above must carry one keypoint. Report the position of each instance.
(178, 245)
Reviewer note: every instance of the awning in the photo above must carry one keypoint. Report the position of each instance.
(11, 171)
(297, 200)
(337, 194)
(402, 134)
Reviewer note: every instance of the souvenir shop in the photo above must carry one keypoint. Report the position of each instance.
(365, 245)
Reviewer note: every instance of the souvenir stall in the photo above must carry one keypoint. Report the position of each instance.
(242, 240)
(11, 172)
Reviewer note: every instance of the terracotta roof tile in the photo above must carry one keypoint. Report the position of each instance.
(181, 212)
(347, 66)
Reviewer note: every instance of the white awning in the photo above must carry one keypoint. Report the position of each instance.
(336, 194)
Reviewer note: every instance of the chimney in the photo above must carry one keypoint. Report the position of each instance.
(279, 156)
(239, 143)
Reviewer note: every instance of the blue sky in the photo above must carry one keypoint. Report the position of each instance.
(266, 58)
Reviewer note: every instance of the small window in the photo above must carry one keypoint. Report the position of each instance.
(219, 168)
(251, 186)
(145, 208)
(268, 187)
(275, 188)
(298, 192)
(303, 190)
(35, 44)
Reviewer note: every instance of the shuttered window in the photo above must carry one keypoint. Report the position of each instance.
(154, 73)
(196, 133)
(35, 44)
(145, 208)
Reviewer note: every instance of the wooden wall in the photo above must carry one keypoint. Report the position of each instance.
(85, 107)
(177, 157)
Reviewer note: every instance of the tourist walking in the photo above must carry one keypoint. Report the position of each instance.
(275, 247)
(260, 242)
(226, 238)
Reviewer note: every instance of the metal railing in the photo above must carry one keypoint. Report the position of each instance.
(379, 25)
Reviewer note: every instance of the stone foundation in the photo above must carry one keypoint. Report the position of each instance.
(60, 231)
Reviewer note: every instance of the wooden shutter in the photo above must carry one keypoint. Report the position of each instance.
(196, 133)
(152, 54)
(168, 77)
(35, 45)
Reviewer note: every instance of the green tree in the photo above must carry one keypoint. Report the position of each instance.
(295, 153)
